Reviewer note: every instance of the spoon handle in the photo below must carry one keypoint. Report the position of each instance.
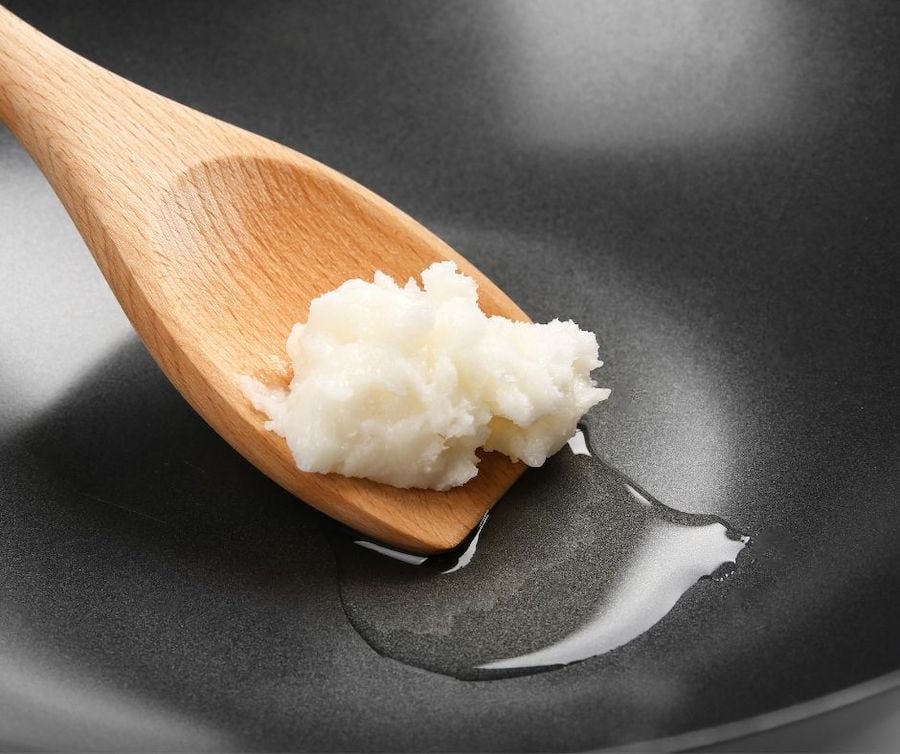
(108, 147)
(23, 52)
(53, 100)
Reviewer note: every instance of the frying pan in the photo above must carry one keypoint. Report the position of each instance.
(711, 187)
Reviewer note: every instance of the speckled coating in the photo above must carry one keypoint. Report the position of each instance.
(714, 193)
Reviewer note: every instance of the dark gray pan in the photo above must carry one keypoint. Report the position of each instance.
(711, 187)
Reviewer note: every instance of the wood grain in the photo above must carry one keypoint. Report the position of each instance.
(215, 240)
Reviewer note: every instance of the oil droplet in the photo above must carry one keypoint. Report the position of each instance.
(576, 561)
(669, 560)
(578, 444)
(445, 562)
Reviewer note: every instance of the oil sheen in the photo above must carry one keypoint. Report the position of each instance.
(576, 561)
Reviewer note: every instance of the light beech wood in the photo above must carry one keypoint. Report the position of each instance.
(215, 240)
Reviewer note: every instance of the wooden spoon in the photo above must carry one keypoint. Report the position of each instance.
(215, 240)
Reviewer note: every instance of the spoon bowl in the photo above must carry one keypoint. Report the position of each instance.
(215, 241)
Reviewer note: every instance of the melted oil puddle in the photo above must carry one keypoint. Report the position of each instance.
(576, 561)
